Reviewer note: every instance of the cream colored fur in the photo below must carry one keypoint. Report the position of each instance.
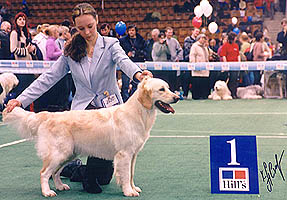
(117, 133)
(8, 81)
(250, 92)
(221, 92)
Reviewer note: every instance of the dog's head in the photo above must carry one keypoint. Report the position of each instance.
(259, 90)
(154, 91)
(8, 81)
(221, 87)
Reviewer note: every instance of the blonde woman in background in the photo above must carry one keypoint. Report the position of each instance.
(41, 38)
(64, 35)
(53, 52)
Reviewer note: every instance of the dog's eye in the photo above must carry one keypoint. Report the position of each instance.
(162, 89)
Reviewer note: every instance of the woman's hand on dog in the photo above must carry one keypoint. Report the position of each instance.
(12, 104)
(140, 75)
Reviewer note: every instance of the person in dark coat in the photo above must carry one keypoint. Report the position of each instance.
(135, 47)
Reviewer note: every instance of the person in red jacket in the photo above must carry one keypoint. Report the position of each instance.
(230, 53)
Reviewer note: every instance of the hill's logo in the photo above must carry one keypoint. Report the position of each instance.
(233, 164)
(233, 179)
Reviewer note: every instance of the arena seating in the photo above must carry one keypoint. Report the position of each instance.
(129, 11)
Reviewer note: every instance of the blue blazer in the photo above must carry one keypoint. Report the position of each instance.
(93, 82)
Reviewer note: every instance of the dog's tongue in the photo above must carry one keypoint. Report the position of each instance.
(169, 108)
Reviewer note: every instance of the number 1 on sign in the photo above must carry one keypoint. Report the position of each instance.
(233, 153)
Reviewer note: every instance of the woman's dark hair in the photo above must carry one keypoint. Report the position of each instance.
(231, 37)
(258, 36)
(104, 25)
(76, 48)
(25, 28)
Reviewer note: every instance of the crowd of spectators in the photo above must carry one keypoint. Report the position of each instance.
(46, 42)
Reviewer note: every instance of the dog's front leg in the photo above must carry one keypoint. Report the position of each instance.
(122, 164)
(137, 189)
(45, 174)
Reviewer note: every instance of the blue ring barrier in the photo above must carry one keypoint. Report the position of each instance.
(38, 67)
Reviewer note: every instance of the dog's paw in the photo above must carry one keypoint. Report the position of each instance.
(131, 193)
(137, 189)
(49, 193)
(63, 187)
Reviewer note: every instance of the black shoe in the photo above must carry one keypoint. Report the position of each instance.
(70, 168)
(92, 188)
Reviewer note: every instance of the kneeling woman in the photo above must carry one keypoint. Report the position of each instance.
(92, 61)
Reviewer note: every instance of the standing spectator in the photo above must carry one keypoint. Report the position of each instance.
(186, 75)
(188, 42)
(247, 76)
(160, 50)
(230, 53)
(20, 44)
(176, 55)
(200, 79)
(135, 46)
(21, 48)
(5, 53)
(176, 51)
(41, 38)
(57, 97)
(105, 30)
(282, 38)
(53, 52)
(154, 38)
(213, 45)
(64, 35)
(259, 54)
(244, 40)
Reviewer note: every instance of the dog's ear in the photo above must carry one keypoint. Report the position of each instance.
(145, 95)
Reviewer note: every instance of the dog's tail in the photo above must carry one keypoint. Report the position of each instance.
(26, 123)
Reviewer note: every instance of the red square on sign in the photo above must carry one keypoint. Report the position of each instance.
(240, 175)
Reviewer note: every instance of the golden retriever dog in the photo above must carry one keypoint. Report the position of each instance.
(117, 133)
(250, 92)
(7, 82)
(220, 92)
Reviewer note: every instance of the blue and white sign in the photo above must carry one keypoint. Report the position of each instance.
(233, 164)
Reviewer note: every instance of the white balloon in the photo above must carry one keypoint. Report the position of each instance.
(212, 27)
(234, 20)
(204, 4)
(198, 11)
(203, 30)
(207, 12)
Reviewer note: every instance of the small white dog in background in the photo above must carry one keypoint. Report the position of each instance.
(220, 92)
(117, 133)
(250, 92)
(7, 82)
